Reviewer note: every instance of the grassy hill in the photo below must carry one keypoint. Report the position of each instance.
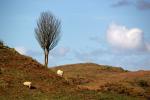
(16, 68)
(88, 73)
(104, 78)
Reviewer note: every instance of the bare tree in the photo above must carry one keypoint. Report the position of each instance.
(47, 33)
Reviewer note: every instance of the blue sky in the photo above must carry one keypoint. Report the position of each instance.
(109, 32)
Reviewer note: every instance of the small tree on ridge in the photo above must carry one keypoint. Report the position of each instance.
(47, 33)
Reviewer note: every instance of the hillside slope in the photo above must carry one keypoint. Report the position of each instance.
(87, 69)
(16, 68)
(107, 78)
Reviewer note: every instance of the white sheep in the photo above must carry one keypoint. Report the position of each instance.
(27, 83)
(60, 73)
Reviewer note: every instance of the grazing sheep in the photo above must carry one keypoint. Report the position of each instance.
(60, 73)
(27, 83)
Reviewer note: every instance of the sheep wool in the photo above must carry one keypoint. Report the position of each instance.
(27, 84)
(60, 73)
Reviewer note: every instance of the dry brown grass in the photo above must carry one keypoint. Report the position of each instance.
(107, 78)
(16, 68)
(78, 82)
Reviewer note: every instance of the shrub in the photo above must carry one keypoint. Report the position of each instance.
(143, 83)
(123, 89)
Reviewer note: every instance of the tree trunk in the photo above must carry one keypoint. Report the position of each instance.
(46, 57)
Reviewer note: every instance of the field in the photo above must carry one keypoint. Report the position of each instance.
(80, 81)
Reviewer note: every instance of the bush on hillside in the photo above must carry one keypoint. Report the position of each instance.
(143, 82)
(123, 89)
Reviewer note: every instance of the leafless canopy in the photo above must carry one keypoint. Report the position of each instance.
(48, 31)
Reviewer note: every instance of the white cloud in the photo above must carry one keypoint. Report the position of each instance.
(63, 51)
(60, 52)
(147, 46)
(58, 55)
(21, 50)
(121, 37)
